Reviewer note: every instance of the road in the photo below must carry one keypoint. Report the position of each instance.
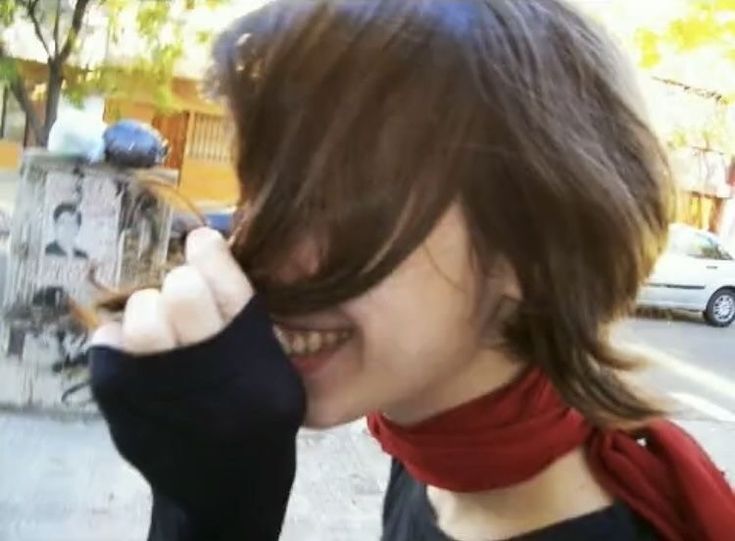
(695, 367)
(691, 359)
(60, 480)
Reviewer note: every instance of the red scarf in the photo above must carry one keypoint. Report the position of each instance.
(511, 435)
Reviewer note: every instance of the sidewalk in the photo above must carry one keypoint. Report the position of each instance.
(9, 180)
(62, 480)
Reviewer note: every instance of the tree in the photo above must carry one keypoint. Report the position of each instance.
(685, 51)
(706, 23)
(59, 27)
(695, 51)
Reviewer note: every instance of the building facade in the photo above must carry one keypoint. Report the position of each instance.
(197, 132)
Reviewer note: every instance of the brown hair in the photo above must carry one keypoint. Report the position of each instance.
(359, 122)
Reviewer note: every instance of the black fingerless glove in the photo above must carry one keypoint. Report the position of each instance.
(211, 427)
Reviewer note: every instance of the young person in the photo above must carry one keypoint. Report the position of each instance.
(446, 204)
(67, 223)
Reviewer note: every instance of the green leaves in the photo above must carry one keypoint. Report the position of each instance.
(8, 70)
(7, 12)
(158, 28)
(152, 17)
(691, 53)
(210, 4)
(649, 47)
(706, 23)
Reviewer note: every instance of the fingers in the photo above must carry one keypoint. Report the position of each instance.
(196, 301)
(146, 327)
(189, 306)
(208, 252)
(183, 312)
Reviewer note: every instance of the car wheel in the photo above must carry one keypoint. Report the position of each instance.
(720, 310)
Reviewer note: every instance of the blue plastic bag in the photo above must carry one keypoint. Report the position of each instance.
(129, 143)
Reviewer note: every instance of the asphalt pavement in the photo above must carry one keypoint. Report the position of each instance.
(693, 362)
(61, 480)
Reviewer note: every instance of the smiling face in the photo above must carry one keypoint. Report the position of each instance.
(409, 347)
(358, 124)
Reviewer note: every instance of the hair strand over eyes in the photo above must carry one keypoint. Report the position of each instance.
(358, 123)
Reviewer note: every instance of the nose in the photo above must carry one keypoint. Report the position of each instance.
(301, 263)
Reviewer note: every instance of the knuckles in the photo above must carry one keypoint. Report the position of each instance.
(204, 241)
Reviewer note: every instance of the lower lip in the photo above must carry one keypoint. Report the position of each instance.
(309, 365)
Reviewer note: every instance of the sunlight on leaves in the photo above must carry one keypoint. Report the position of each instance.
(648, 45)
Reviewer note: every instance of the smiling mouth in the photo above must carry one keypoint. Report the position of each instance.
(308, 343)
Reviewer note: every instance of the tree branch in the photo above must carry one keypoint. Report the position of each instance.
(76, 24)
(31, 11)
(701, 92)
(56, 27)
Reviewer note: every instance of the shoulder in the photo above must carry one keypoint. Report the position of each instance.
(399, 483)
(407, 514)
(406, 510)
(54, 249)
(614, 523)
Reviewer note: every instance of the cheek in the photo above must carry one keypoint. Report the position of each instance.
(414, 332)
(418, 327)
(68, 230)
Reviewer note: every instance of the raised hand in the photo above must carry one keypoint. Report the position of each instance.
(200, 397)
(196, 301)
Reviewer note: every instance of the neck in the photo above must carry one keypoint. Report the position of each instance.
(563, 490)
(566, 489)
(487, 372)
(68, 247)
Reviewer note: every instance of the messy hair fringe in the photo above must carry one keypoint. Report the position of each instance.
(357, 124)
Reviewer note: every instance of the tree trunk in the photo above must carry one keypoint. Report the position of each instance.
(34, 123)
(53, 95)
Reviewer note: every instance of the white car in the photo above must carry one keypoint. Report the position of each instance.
(695, 273)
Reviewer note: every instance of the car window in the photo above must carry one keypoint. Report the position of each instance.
(694, 244)
(724, 254)
(713, 249)
(678, 240)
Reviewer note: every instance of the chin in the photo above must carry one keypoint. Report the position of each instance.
(322, 417)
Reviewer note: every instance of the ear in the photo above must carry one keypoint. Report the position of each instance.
(507, 277)
(505, 295)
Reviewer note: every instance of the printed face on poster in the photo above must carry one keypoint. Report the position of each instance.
(80, 232)
(73, 221)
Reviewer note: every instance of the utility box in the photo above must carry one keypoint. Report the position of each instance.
(73, 224)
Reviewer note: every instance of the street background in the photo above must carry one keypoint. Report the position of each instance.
(61, 479)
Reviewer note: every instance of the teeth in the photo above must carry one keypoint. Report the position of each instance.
(298, 344)
(309, 342)
(314, 341)
(330, 338)
(281, 336)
